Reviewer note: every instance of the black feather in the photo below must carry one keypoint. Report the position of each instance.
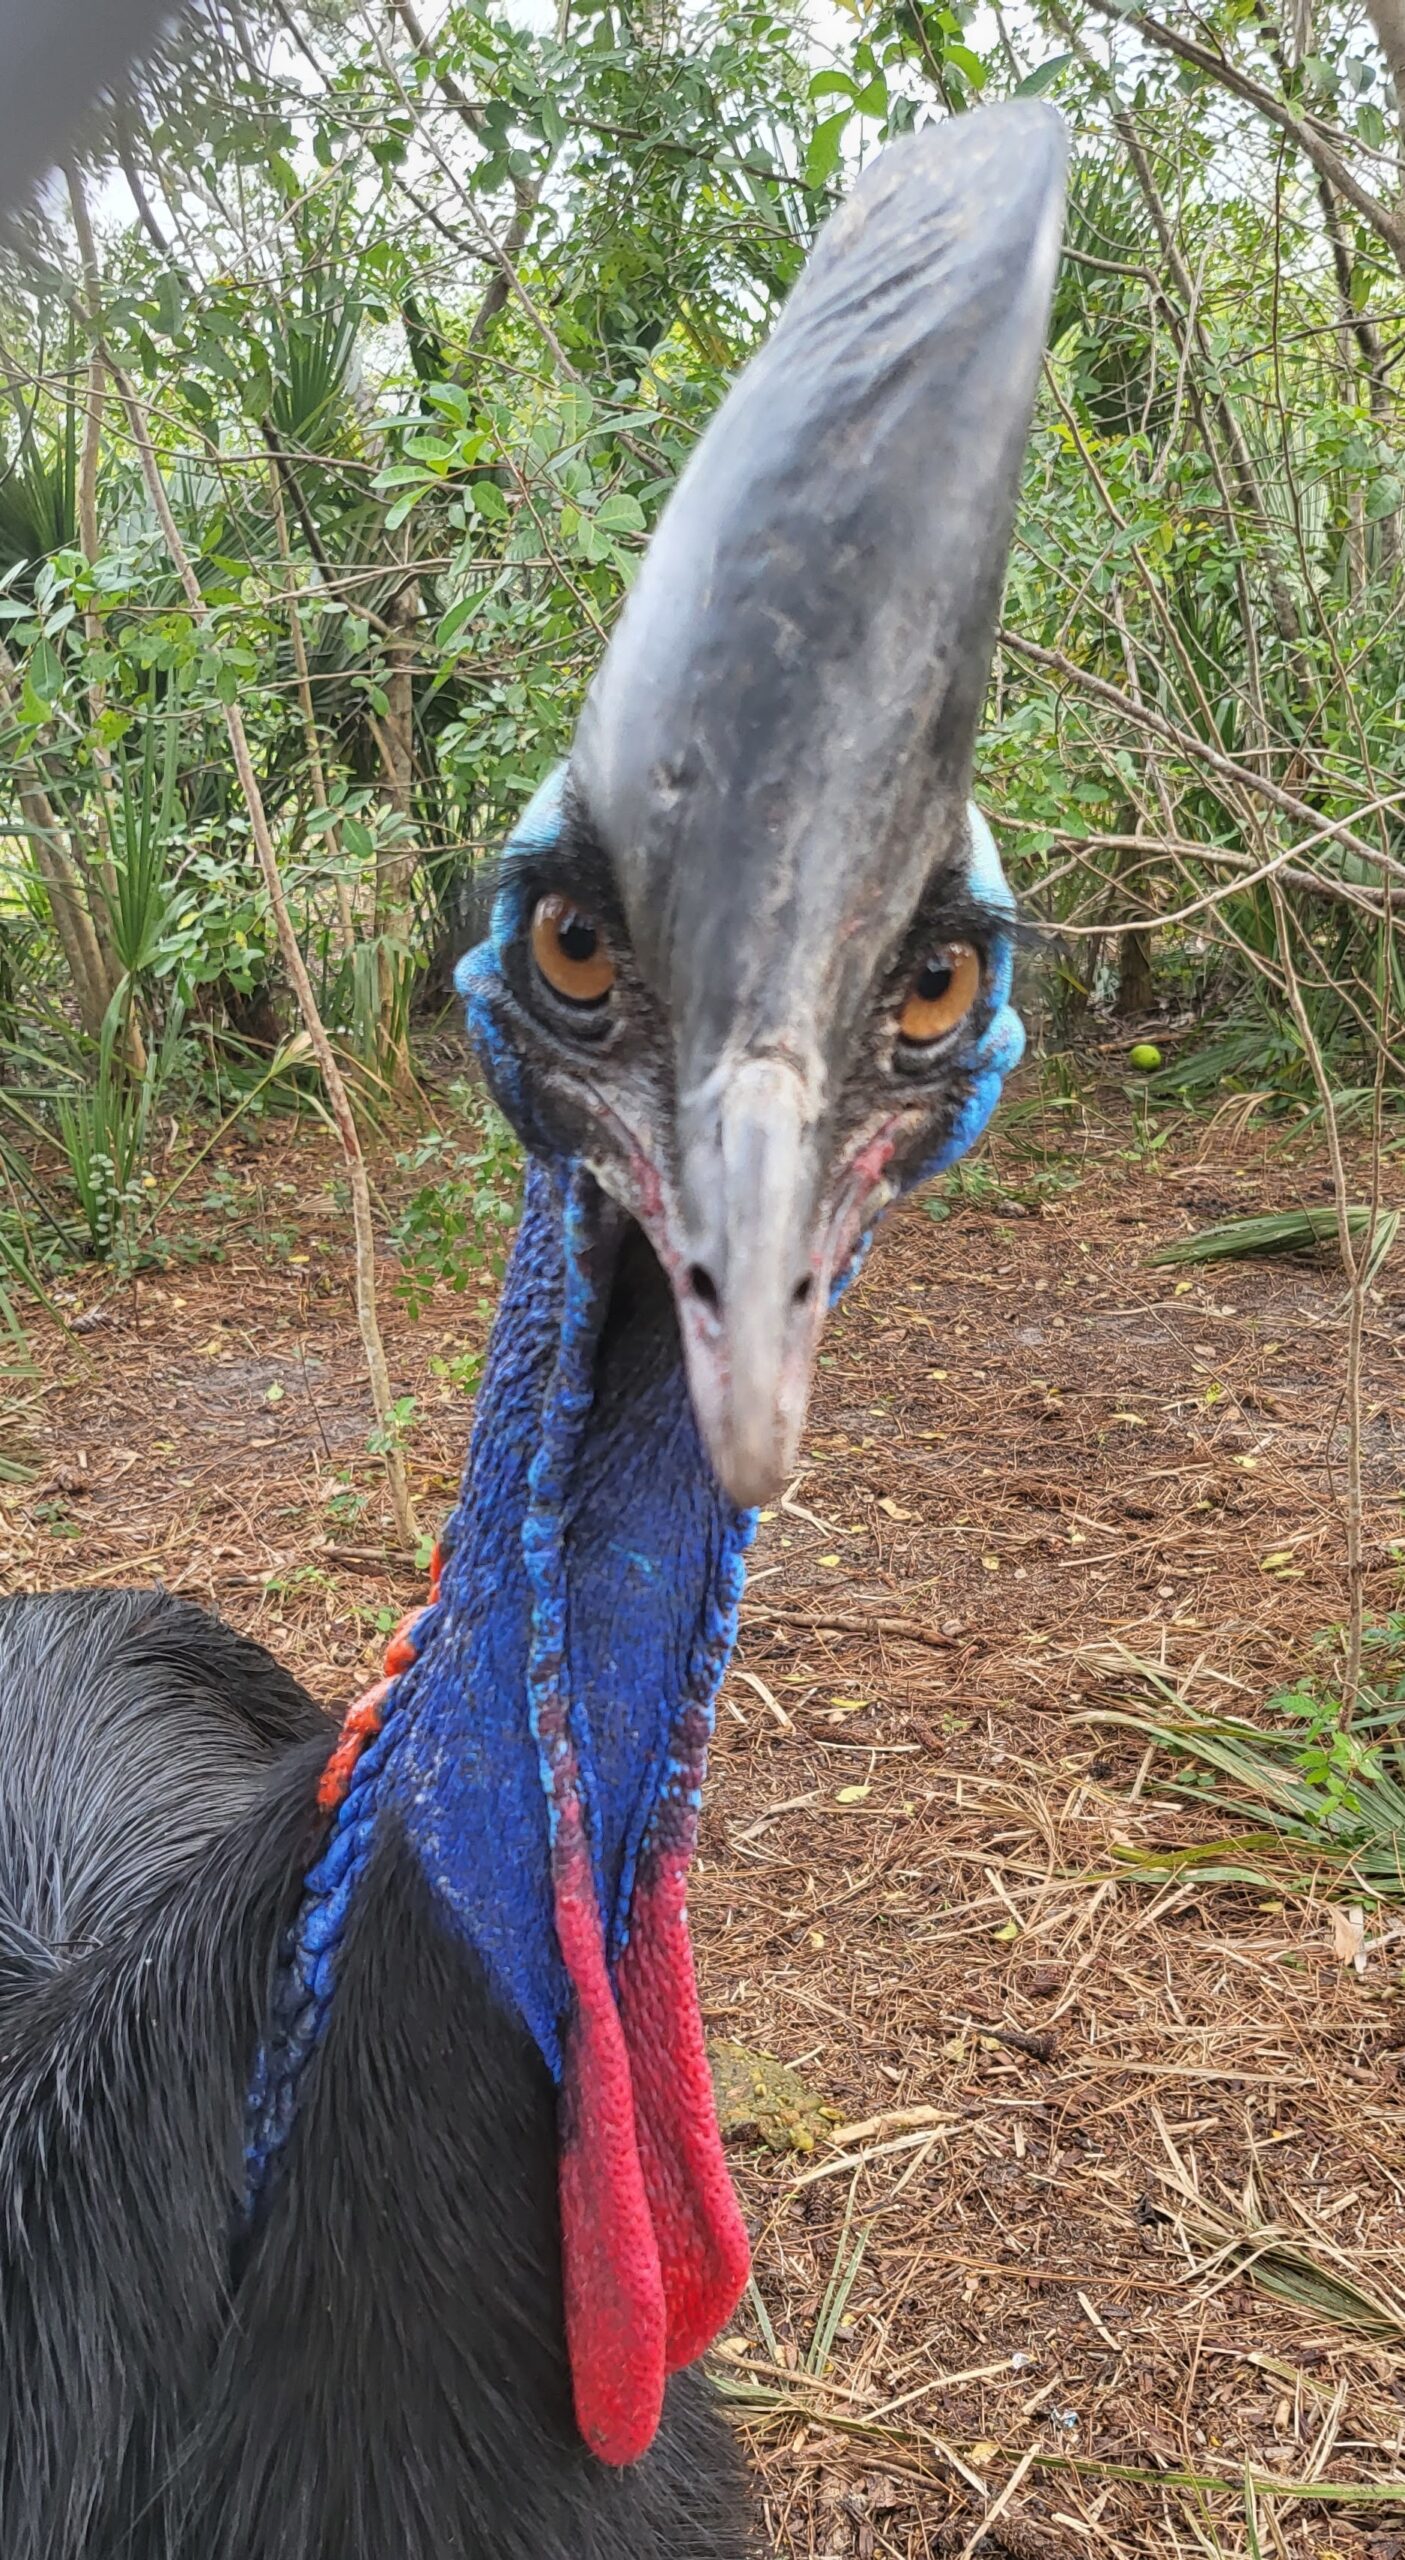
(378, 2371)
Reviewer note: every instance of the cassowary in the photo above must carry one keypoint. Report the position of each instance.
(360, 2185)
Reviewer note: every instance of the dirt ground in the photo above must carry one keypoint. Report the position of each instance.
(1064, 2128)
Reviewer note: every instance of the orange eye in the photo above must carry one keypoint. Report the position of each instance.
(942, 993)
(571, 952)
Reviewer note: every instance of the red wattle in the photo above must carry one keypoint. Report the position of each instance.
(616, 2322)
(703, 2251)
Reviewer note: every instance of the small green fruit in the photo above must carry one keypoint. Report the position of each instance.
(1145, 1058)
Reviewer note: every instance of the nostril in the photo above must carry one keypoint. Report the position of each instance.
(802, 1290)
(703, 1286)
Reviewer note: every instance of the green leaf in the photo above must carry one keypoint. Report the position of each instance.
(468, 607)
(44, 672)
(831, 84)
(487, 500)
(434, 450)
(873, 101)
(620, 513)
(822, 158)
(959, 57)
(1036, 82)
(590, 542)
(452, 623)
(170, 303)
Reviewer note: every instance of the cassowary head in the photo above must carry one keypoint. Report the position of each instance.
(750, 964)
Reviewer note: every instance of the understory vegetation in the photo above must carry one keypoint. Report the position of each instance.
(344, 377)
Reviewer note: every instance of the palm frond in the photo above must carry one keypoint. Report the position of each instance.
(1308, 1804)
(1283, 1231)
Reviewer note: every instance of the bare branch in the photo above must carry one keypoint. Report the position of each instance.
(1242, 776)
(1388, 221)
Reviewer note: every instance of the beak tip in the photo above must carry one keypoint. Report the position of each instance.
(748, 1486)
(753, 1465)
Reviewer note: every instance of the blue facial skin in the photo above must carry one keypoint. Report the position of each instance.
(997, 1038)
(998, 1044)
(995, 1035)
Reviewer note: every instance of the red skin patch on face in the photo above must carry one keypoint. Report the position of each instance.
(855, 1204)
(647, 1186)
(871, 1161)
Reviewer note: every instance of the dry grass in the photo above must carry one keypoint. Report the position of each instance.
(1106, 2252)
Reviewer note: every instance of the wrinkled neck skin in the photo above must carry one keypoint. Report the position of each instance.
(553, 1730)
(546, 1756)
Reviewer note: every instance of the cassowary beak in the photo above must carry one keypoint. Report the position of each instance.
(754, 1288)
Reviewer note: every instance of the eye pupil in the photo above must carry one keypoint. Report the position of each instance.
(934, 979)
(577, 937)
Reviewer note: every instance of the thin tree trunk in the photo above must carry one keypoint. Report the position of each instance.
(1388, 19)
(63, 875)
(1358, 328)
(526, 191)
(133, 1047)
(345, 918)
(395, 862)
(63, 887)
(1136, 983)
(1185, 322)
(127, 162)
(1387, 220)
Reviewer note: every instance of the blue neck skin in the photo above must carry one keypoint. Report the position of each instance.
(591, 1541)
(590, 1526)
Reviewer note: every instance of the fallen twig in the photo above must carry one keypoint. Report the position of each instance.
(852, 1622)
(1040, 2042)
